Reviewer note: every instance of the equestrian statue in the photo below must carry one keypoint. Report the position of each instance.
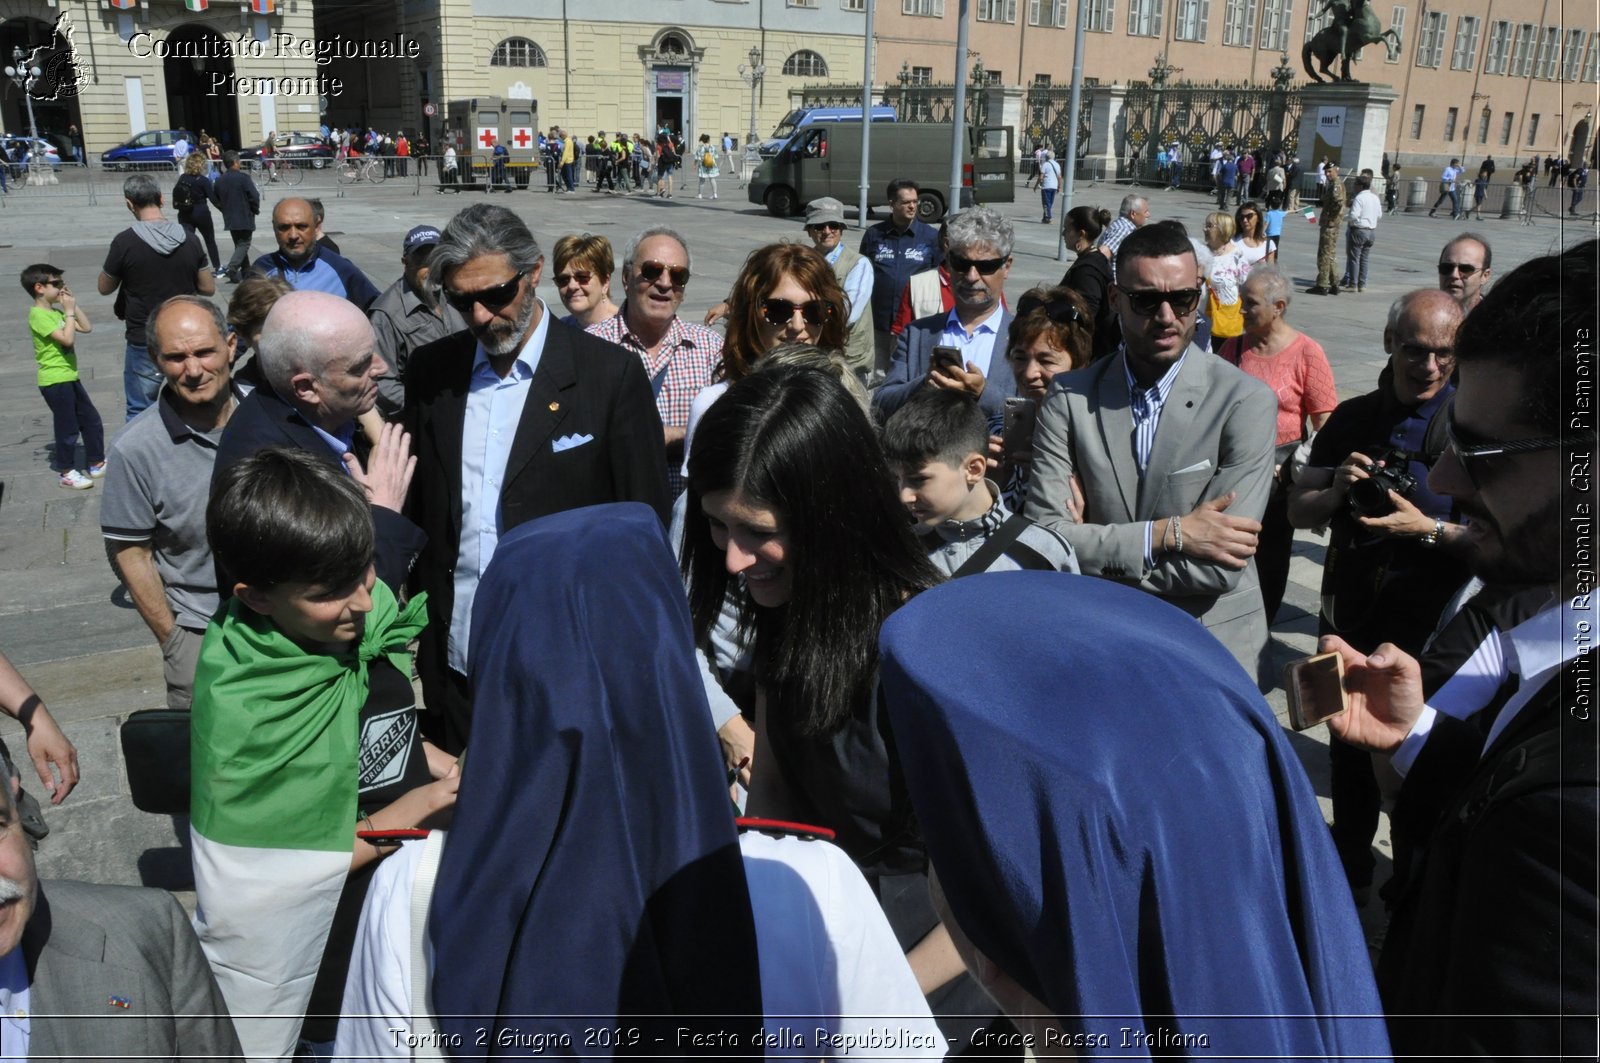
(1354, 27)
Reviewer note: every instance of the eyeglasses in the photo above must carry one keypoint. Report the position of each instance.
(959, 265)
(1472, 450)
(1417, 354)
(582, 276)
(1447, 268)
(1147, 304)
(651, 272)
(831, 226)
(491, 299)
(779, 312)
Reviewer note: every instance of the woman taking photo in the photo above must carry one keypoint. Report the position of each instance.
(1090, 276)
(1226, 272)
(583, 267)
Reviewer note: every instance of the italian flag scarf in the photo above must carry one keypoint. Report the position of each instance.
(273, 746)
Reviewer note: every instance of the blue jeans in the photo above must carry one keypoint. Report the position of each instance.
(1049, 197)
(140, 380)
(73, 413)
(1358, 245)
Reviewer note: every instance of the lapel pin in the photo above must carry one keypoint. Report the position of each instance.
(554, 406)
(120, 1002)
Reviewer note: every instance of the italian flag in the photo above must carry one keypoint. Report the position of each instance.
(196, 5)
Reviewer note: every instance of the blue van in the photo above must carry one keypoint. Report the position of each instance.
(801, 117)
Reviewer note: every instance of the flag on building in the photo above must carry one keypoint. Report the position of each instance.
(123, 5)
(262, 7)
(196, 5)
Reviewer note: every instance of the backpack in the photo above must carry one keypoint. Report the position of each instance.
(183, 196)
(707, 159)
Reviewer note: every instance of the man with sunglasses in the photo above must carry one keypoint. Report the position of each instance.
(978, 326)
(408, 316)
(1156, 463)
(515, 418)
(825, 226)
(1464, 269)
(1496, 926)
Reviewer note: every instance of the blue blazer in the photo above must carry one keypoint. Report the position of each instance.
(908, 369)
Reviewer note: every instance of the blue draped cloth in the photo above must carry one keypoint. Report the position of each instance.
(591, 878)
(1118, 822)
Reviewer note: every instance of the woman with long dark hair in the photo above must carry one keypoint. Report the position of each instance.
(1090, 276)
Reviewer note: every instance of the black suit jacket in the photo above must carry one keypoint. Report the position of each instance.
(1497, 926)
(583, 386)
(238, 199)
(263, 420)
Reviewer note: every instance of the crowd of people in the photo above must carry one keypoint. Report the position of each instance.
(779, 680)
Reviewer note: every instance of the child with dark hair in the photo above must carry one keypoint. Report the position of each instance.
(54, 320)
(304, 730)
(938, 445)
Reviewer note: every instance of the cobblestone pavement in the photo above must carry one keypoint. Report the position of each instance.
(66, 622)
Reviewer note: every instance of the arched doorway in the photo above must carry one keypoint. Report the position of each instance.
(671, 60)
(1580, 139)
(55, 93)
(196, 56)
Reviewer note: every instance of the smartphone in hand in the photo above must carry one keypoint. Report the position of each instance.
(1314, 687)
(947, 358)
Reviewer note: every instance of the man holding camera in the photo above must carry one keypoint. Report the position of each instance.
(1394, 555)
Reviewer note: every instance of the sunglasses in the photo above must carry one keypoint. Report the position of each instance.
(582, 276)
(1147, 304)
(1447, 268)
(959, 265)
(491, 299)
(779, 312)
(1060, 311)
(1472, 451)
(652, 271)
(831, 226)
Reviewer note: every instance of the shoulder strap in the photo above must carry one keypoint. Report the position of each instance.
(994, 546)
(1434, 437)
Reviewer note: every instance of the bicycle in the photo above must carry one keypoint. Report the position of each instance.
(363, 168)
(278, 169)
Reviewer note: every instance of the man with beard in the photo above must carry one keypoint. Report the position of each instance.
(515, 418)
(1496, 927)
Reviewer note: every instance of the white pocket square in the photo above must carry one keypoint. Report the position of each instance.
(1200, 466)
(568, 442)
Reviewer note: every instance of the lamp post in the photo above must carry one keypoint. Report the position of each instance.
(752, 75)
(904, 77)
(23, 76)
(979, 97)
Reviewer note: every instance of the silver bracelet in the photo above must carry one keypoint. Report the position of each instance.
(1176, 524)
(1433, 537)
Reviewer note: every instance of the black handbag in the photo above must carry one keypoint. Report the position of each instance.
(155, 748)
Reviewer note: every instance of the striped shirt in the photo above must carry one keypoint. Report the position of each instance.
(1145, 404)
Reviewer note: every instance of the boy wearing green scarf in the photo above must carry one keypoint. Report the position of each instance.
(304, 730)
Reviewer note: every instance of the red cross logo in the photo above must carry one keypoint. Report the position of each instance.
(486, 138)
(521, 138)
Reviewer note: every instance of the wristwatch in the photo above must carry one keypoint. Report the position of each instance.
(1432, 538)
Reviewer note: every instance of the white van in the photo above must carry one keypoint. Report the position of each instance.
(801, 117)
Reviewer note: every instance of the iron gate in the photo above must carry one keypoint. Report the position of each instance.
(1241, 117)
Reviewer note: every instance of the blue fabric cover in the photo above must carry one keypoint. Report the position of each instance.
(592, 873)
(1119, 823)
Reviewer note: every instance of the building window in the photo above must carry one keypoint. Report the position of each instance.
(1572, 58)
(1549, 54)
(672, 44)
(805, 64)
(1275, 15)
(1041, 81)
(1533, 129)
(1315, 23)
(1416, 122)
(1047, 13)
(997, 10)
(1483, 126)
(990, 77)
(1464, 55)
(921, 75)
(1430, 40)
(1239, 23)
(926, 8)
(1522, 51)
(1591, 65)
(1498, 55)
(1192, 18)
(1144, 18)
(802, 3)
(1505, 127)
(1397, 22)
(517, 51)
(1450, 124)
(1102, 16)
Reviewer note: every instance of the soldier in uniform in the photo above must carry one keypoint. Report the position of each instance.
(1332, 207)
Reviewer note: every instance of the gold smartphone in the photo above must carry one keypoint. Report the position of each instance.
(1315, 690)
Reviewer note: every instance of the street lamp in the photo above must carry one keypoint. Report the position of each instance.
(23, 76)
(752, 75)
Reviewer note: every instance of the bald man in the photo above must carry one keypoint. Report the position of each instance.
(1464, 269)
(320, 361)
(306, 265)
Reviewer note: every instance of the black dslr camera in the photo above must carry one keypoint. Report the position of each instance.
(1370, 497)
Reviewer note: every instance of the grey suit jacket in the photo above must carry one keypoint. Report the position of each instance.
(908, 369)
(1215, 435)
(116, 971)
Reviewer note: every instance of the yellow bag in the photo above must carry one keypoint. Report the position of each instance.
(1227, 319)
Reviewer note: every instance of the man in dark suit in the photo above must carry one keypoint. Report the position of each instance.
(105, 971)
(237, 197)
(1495, 926)
(518, 417)
(977, 327)
(320, 361)
(1155, 464)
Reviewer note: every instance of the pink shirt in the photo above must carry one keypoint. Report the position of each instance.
(1299, 375)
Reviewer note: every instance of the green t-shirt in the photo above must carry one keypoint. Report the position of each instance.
(57, 364)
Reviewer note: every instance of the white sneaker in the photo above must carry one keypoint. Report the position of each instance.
(76, 480)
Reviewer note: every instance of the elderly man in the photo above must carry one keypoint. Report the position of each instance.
(897, 248)
(1156, 463)
(72, 952)
(1332, 206)
(1393, 563)
(1495, 927)
(516, 418)
(408, 316)
(978, 326)
(1464, 269)
(825, 225)
(1132, 214)
(679, 357)
(158, 475)
(321, 367)
(150, 262)
(307, 266)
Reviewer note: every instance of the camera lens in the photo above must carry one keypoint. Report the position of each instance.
(1370, 498)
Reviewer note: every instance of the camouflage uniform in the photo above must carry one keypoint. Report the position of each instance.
(1332, 207)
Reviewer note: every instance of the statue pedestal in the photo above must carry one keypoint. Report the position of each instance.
(1347, 122)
